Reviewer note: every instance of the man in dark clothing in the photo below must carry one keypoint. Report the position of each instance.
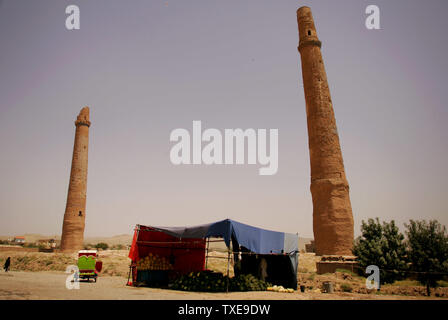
(7, 264)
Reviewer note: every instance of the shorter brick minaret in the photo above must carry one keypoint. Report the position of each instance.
(75, 210)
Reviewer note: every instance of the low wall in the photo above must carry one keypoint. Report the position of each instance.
(18, 249)
(331, 266)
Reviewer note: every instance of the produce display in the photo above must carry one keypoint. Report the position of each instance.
(280, 289)
(154, 262)
(217, 282)
(248, 282)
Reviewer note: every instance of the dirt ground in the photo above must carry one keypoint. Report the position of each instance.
(51, 286)
(38, 275)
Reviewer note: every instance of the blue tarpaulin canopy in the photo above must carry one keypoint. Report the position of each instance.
(255, 239)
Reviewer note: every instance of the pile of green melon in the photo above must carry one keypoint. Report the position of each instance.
(248, 282)
(208, 281)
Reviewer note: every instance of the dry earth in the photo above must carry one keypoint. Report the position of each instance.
(38, 275)
(51, 285)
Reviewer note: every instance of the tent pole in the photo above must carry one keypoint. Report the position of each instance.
(206, 253)
(230, 247)
(228, 269)
(129, 274)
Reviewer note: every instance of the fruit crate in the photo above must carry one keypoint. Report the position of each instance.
(153, 277)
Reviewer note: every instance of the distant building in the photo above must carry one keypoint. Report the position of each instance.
(19, 240)
(49, 243)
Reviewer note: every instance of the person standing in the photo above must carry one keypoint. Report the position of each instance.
(7, 264)
(263, 269)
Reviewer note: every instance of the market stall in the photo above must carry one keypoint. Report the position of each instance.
(161, 254)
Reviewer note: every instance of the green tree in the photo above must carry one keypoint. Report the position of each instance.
(428, 251)
(102, 245)
(382, 245)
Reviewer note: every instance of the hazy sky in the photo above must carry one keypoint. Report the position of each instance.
(147, 67)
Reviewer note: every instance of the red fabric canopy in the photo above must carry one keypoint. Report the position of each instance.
(187, 254)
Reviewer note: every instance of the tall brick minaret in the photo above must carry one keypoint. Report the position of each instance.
(75, 210)
(332, 211)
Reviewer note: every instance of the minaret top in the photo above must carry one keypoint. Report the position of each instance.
(307, 30)
(83, 117)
